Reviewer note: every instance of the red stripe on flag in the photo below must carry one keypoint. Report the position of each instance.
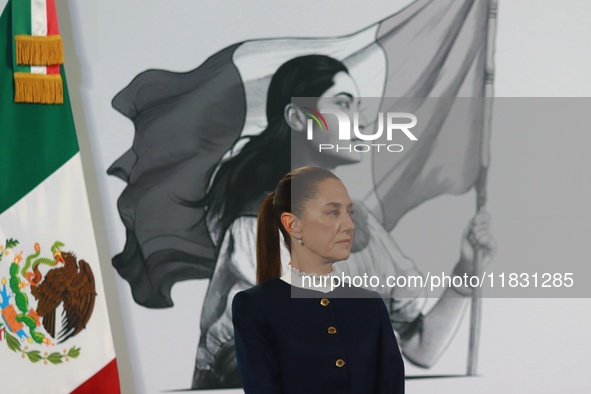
(53, 69)
(104, 381)
(52, 27)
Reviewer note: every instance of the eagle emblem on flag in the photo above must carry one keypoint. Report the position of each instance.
(33, 288)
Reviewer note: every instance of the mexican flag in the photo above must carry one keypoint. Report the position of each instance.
(55, 335)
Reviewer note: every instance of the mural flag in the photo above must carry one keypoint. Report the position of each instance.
(54, 327)
(446, 61)
(185, 123)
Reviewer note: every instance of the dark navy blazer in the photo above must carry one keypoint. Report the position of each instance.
(314, 345)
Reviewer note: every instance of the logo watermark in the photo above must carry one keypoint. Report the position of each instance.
(388, 125)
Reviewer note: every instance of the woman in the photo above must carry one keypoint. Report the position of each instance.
(241, 184)
(323, 344)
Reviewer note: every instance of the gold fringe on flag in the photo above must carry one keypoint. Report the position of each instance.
(38, 88)
(39, 50)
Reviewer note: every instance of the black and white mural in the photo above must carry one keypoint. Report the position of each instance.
(193, 193)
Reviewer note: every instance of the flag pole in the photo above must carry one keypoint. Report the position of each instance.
(476, 304)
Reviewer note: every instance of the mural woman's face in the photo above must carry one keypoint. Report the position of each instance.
(344, 96)
(326, 225)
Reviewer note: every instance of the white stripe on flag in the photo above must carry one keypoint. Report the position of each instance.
(38, 18)
(57, 210)
(38, 70)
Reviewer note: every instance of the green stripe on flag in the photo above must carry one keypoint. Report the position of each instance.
(21, 24)
(35, 139)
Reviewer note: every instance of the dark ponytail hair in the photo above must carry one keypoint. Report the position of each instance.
(284, 198)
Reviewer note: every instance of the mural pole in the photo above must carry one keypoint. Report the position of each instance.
(476, 304)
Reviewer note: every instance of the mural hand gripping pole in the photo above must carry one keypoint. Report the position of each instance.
(476, 302)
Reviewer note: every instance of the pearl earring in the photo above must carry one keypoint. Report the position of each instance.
(301, 241)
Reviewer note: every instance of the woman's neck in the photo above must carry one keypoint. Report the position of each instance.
(324, 268)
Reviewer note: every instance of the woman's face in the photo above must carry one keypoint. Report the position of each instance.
(344, 96)
(326, 225)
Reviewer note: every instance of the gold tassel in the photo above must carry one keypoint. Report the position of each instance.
(38, 88)
(39, 50)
